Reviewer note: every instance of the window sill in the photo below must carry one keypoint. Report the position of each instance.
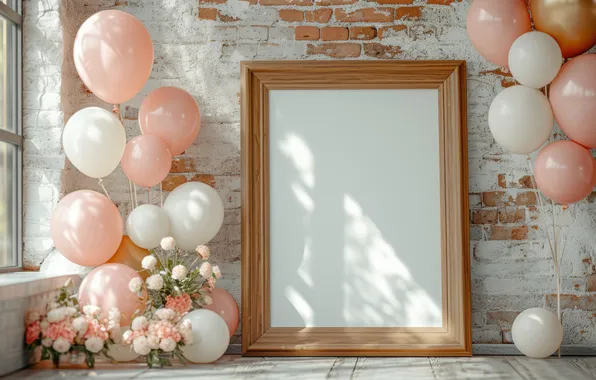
(27, 284)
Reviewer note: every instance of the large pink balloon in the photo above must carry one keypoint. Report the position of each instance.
(107, 286)
(172, 114)
(564, 171)
(146, 160)
(573, 99)
(86, 228)
(113, 55)
(493, 25)
(226, 307)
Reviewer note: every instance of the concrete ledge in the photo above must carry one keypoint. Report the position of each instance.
(27, 284)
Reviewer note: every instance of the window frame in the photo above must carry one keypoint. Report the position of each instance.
(12, 12)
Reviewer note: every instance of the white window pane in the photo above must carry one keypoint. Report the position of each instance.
(7, 75)
(8, 205)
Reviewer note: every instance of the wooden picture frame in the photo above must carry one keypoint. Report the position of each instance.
(453, 338)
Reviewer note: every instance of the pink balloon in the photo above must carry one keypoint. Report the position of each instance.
(107, 286)
(226, 307)
(146, 160)
(493, 25)
(113, 55)
(172, 114)
(573, 99)
(86, 228)
(564, 171)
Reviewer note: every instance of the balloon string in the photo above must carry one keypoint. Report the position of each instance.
(161, 195)
(149, 196)
(100, 182)
(136, 200)
(132, 201)
(116, 111)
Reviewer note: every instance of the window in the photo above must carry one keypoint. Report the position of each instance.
(11, 139)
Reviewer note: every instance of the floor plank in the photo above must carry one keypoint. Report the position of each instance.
(342, 368)
(485, 368)
(547, 369)
(586, 364)
(389, 368)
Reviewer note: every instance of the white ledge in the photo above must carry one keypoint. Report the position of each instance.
(26, 284)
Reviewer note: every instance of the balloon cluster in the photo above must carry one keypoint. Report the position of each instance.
(521, 117)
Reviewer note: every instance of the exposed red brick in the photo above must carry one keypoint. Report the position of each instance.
(391, 31)
(131, 113)
(365, 15)
(526, 198)
(498, 71)
(525, 182)
(31, 268)
(319, 15)
(408, 13)
(443, 2)
(394, 1)
(501, 318)
(213, 1)
(508, 233)
(363, 32)
(500, 198)
(291, 15)
(86, 90)
(208, 13)
(306, 33)
(506, 335)
(183, 165)
(120, 3)
(591, 283)
(335, 50)
(334, 33)
(377, 50)
(484, 216)
(251, 2)
(334, 2)
(507, 82)
(494, 198)
(205, 178)
(591, 197)
(571, 301)
(173, 181)
(227, 18)
(512, 215)
(286, 2)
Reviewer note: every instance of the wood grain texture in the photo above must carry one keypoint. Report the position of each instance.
(454, 338)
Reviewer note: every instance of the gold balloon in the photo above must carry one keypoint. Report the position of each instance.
(571, 22)
(131, 255)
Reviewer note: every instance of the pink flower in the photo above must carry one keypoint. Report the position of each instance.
(180, 304)
(211, 282)
(216, 271)
(203, 251)
(205, 270)
(97, 330)
(32, 333)
(164, 330)
(62, 329)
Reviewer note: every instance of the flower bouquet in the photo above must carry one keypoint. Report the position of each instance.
(61, 327)
(177, 283)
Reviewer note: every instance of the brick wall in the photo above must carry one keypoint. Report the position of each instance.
(198, 46)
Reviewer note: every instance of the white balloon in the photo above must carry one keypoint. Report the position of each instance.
(196, 214)
(147, 225)
(535, 59)
(210, 336)
(122, 352)
(94, 141)
(520, 119)
(537, 333)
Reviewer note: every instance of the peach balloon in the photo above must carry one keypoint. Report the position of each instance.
(131, 255)
(564, 171)
(573, 99)
(146, 160)
(494, 25)
(86, 228)
(107, 286)
(113, 54)
(172, 114)
(226, 307)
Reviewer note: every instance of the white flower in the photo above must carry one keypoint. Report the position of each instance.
(56, 315)
(207, 299)
(149, 262)
(114, 317)
(94, 344)
(216, 271)
(80, 325)
(91, 310)
(168, 243)
(44, 324)
(70, 311)
(165, 314)
(135, 284)
(205, 270)
(155, 282)
(47, 342)
(179, 272)
(33, 316)
(185, 325)
(54, 305)
(186, 336)
(141, 345)
(139, 323)
(203, 251)
(167, 345)
(61, 345)
(153, 341)
(126, 336)
(116, 334)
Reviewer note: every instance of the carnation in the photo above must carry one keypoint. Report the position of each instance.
(167, 345)
(61, 345)
(180, 304)
(80, 325)
(47, 342)
(56, 315)
(126, 336)
(155, 282)
(33, 316)
(114, 317)
(153, 342)
(44, 324)
(165, 314)
(32, 332)
(168, 243)
(70, 311)
(94, 344)
(135, 285)
(149, 262)
(179, 272)
(91, 310)
(205, 270)
(207, 299)
(141, 345)
(216, 271)
(139, 323)
(203, 251)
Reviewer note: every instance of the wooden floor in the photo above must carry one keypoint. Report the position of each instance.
(235, 367)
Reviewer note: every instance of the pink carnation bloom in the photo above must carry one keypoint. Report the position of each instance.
(211, 282)
(180, 304)
(165, 329)
(33, 331)
(62, 329)
(96, 329)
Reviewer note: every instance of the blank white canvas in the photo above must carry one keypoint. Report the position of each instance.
(354, 208)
